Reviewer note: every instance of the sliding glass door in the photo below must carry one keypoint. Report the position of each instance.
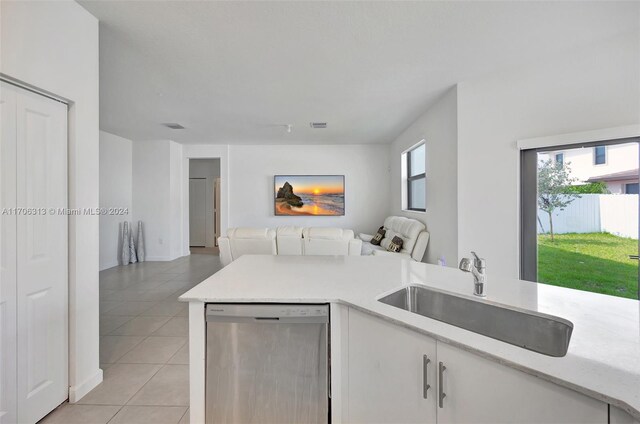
(579, 216)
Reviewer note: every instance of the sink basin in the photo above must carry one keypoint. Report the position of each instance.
(540, 333)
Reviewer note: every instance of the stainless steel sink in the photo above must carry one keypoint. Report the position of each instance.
(540, 333)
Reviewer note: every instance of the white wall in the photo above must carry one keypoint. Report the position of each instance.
(54, 46)
(438, 127)
(157, 196)
(589, 88)
(251, 191)
(116, 191)
(209, 169)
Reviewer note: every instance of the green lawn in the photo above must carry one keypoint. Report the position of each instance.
(596, 262)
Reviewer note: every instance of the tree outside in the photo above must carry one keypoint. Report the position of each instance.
(554, 188)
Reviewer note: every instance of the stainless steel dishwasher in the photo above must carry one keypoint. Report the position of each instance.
(267, 363)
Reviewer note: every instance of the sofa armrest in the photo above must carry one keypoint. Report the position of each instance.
(225, 251)
(421, 246)
(365, 237)
(355, 247)
(387, 253)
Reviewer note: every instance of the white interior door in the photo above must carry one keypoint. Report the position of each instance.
(216, 210)
(197, 211)
(8, 285)
(42, 293)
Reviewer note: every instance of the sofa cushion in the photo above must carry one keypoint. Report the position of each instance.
(327, 233)
(395, 245)
(377, 238)
(289, 240)
(250, 233)
(405, 228)
(368, 248)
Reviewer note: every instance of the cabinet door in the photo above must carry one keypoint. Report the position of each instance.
(478, 390)
(8, 329)
(387, 371)
(618, 416)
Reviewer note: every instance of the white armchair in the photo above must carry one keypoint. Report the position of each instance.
(413, 233)
(330, 241)
(246, 241)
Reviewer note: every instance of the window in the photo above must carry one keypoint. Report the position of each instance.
(560, 158)
(416, 178)
(600, 155)
(631, 188)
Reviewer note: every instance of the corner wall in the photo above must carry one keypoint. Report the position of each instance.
(53, 46)
(438, 127)
(116, 191)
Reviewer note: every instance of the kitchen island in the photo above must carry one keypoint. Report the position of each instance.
(599, 376)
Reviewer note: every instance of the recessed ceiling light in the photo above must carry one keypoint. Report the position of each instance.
(174, 126)
(318, 125)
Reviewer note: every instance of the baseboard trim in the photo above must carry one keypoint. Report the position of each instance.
(77, 392)
(109, 265)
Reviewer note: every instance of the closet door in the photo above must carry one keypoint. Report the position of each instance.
(8, 380)
(42, 293)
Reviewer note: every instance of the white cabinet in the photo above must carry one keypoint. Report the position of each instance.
(482, 391)
(618, 416)
(33, 255)
(387, 373)
(386, 382)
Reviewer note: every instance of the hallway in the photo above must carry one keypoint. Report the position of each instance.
(143, 345)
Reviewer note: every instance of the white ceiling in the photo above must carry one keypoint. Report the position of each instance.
(230, 71)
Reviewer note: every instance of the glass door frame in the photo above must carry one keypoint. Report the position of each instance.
(529, 202)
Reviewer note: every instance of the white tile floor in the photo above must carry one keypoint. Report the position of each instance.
(143, 345)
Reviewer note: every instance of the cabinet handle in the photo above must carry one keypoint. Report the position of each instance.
(441, 393)
(425, 376)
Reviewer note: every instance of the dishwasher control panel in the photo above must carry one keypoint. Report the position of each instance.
(261, 311)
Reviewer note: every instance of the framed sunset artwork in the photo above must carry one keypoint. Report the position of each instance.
(314, 195)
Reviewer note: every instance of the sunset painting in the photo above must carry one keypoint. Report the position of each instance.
(320, 195)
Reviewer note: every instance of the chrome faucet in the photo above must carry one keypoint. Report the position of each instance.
(478, 268)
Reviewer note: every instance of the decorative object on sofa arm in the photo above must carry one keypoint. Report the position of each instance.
(377, 238)
(395, 245)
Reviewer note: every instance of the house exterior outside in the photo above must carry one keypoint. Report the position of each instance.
(615, 165)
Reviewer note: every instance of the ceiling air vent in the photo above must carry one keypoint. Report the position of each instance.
(318, 125)
(174, 126)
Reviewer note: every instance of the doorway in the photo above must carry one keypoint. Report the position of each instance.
(579, 216)
(204, 209)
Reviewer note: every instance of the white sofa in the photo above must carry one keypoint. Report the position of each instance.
(287, 241)
(413, 233)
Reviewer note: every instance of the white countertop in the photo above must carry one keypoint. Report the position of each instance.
(603, 360)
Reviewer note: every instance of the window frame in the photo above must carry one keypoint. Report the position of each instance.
(561, 154)
(595, 155)
(413, 178)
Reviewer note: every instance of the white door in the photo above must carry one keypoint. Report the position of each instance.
(481, 391)
(197, 211)
(389, 369)
(216, 210)
(8, 380)
(42, 289)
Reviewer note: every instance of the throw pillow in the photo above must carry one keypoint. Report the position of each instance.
(395, 245)
(378, 237)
